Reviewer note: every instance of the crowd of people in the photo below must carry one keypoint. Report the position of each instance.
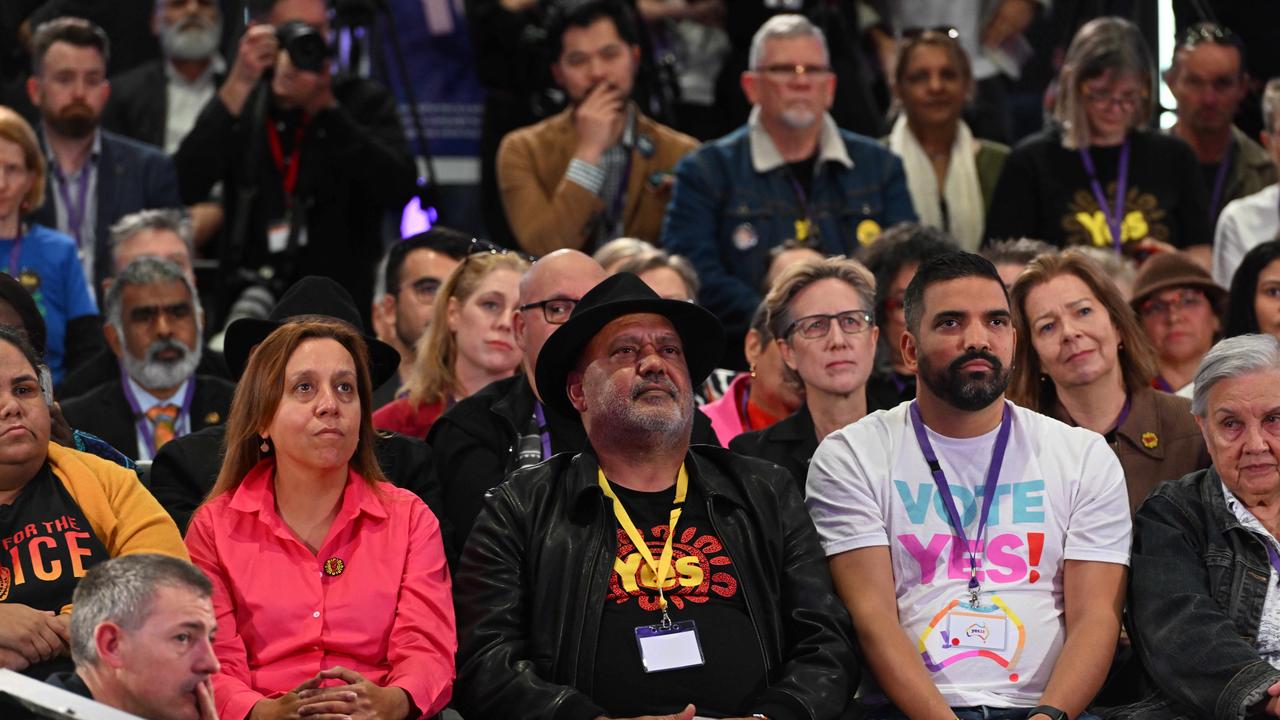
(751, 416)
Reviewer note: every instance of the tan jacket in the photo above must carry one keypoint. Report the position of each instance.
(1158, 441)
(548, 212)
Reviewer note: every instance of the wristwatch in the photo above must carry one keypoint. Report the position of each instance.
(1049, 711)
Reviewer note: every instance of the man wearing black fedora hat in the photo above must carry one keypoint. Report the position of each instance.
(184, 470)
(645, 575)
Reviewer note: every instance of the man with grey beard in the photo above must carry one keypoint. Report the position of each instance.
(158, 102)
(154, 324)
(645, 575)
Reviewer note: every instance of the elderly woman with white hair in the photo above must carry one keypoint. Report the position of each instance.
(1204, 599)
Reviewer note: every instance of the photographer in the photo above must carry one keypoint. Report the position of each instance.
(311, 162)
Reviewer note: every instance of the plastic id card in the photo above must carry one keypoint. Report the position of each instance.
(669, 648)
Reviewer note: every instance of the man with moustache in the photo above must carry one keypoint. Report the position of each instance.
(95, 176)
(600, 169)
(788, 174)
(142, 638)
(154, 328)
(980, 548)
(645, 575)
(158, 102)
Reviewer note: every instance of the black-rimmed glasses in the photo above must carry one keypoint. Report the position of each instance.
(555, 311)
(850, 322)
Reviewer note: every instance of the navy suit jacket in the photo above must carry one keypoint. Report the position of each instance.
(132, 176)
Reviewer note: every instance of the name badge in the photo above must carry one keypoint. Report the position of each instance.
(980, 629)
(669, 648)
(278, 236)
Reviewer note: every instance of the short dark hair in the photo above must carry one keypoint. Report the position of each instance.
(74, 31)
(566, 14)
(899, 245)
(948, 266)
(12, 292)
(1243, 318)
(14, 337)
(446, 240)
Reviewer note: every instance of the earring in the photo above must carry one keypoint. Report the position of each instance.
(265, 447)
(753, 370)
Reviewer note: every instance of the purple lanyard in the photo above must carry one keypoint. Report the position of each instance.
(949, 502)
(1161, 384)
(14, 254)
(76, 211)
(140, 418)
(1272, 555)
(1115, 220)
(541, 418)
(1124, 413)
(1220, 181)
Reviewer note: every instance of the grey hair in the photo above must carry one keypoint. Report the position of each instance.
(1271, 105)
(145, 271)
(121, 591)
(1103, 45)
(654, 259)
(779, 27)
(620, 250)
(173, 220)
(1232, 358)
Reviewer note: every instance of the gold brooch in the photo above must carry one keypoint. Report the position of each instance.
(334, 566)
(212, 418)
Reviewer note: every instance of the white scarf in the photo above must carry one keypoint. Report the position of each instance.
(961, 188)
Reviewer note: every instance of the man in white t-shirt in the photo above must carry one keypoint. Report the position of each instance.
(1254, 219)
(1015, 616)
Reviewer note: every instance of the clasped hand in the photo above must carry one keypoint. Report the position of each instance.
(356, 699)
(29, 636)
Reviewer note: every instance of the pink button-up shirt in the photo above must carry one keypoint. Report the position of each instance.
(388, 614)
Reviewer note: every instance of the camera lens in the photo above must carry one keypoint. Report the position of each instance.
(306, 47)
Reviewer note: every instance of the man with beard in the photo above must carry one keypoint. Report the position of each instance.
(154, 328)
(600, 169)
(644, 575)
(96, 177)
(788, 174)
(980, 548)
(142, 638)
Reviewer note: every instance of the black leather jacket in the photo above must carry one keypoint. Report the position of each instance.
(534, 575)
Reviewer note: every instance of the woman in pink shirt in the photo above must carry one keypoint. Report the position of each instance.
(330, 584)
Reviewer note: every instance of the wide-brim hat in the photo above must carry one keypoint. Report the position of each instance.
(618, 295)
(1166, 270)
(311, 295)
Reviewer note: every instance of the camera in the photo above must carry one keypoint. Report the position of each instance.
(307, 48)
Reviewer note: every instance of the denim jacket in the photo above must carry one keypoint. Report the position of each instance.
(1195, 601)
(725, 216)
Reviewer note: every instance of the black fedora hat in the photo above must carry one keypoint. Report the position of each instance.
(615, 296)
(311, 295)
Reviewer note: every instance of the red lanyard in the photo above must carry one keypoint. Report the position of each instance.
(288, 170)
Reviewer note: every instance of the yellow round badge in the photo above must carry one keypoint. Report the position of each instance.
(868, 231)
(1150, 440)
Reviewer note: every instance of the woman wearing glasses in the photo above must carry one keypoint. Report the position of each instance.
(1097, 177)
(820, 314)
(951, 175)
(1083, 360)
(1180, 307)
(470, 342)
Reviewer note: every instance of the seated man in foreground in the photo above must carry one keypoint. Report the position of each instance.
(1000, 596)
(670, 578)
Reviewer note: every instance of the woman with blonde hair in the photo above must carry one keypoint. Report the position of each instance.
(1098, 176)
(44, 260)
(470, 343)
(1082, 358)
(324, 573)
(821, 314)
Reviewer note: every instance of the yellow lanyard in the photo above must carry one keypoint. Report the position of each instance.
(661, 566)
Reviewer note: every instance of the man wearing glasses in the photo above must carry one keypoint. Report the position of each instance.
(600, 169)
(411, 273)
(788, 174)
